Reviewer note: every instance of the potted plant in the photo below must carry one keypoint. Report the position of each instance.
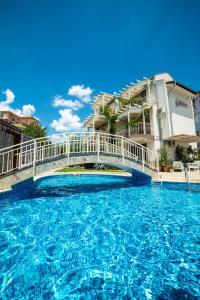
(171, 169)
(164, 159)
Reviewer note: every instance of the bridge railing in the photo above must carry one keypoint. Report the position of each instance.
(36, 151)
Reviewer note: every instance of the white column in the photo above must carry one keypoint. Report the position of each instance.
(98, 145)
(93, 124)
(129, 129)
(144, 124)
(148, 91)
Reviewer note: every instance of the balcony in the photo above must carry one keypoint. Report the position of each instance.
(137, 132)
(139, 128)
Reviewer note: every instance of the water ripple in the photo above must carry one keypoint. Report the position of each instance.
(98, 237)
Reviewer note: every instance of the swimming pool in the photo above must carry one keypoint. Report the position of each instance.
(99, 237)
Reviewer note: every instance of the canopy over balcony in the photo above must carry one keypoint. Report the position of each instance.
(184, 138)
(94, 121)
(131, 111)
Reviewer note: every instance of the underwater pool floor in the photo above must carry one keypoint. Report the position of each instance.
(99, 237)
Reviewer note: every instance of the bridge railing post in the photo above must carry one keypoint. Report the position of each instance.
(143, 158)
(122, 149)
(157, 164)
(34, 156)
(87, 145)
(98, 145)
(19, 154)
(42, 152)
(67, 147)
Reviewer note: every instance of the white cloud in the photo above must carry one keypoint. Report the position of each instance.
(10, 97)
(73, 104)
(81, 92)
(67, 121)
(27, 109)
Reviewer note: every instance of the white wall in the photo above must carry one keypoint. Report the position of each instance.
(162, 98)
(182, 117)
(164, 76)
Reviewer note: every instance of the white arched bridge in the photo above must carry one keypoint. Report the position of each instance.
(37, 156)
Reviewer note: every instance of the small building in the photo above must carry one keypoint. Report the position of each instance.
(10, 135)
(19, 121)
(154, 112)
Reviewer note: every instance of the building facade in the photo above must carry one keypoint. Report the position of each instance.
(156, 111)
(10, 135)
(196, 104)
(19, 121)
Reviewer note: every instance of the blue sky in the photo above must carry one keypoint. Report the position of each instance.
(58, 48)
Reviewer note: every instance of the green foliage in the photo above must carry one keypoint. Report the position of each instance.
(35, 130)
(111, 118)
(112, 124)
(139, 118)
(185, 155)
(136, 120)
(198, 154)
(136, 100)
(163, 156)
(131, 101)
(123, 101)
(85, 168)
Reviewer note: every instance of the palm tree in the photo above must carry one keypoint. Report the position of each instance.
(111, 118)
(35, 130)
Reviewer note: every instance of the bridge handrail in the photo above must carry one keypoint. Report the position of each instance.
(26, 153)
(48, 139)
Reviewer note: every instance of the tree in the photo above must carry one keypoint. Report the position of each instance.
(186, 155)
(35, 130)
(163, 156)
(111, 118)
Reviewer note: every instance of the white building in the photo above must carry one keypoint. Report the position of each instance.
(154, 112)
(196, 105)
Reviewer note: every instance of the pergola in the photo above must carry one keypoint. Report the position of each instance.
(94, 121)
(102, 99)
(135, 88)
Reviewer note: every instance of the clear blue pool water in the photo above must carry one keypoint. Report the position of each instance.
(99, 237)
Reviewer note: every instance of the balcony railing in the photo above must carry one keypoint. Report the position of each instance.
(140, 129)
(136, 129)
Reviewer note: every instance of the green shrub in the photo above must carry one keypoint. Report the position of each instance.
(163, 156)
